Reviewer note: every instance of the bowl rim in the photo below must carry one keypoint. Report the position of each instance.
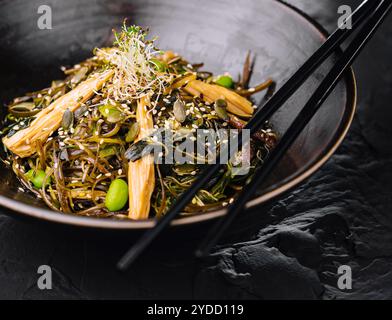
(271, 193)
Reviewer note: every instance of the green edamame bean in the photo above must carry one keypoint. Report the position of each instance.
(225, 81)
(117, 195)
(37, 177)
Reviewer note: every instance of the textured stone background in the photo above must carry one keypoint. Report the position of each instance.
(342, 215)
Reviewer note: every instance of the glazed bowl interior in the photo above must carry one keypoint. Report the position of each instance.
(218, 33)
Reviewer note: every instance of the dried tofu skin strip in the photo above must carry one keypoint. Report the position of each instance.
(236, 104)
(141, 175)
(23, 143)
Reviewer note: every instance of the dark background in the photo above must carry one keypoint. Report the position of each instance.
(341, 216)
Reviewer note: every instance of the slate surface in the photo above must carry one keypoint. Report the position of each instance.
(342, 215)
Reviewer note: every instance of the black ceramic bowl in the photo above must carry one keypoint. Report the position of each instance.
(218, 33)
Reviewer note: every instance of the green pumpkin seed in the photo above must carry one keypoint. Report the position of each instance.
(133, 132)
(64, 156)
(184, 169)
(24, 109)
(220, 109)
(79, 75)
(111, 113)
(179, 111)
(68, 119)
(108, 152)
(80, 111)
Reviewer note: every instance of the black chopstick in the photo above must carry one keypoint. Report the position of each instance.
(254, 124)
(300, 122)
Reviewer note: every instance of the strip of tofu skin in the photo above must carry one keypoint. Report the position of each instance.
(236, 104)
(141, 173)
(23, 143)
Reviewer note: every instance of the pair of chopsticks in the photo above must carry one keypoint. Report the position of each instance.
(371, 13)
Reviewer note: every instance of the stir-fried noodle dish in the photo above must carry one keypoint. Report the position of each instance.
(88, 144)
